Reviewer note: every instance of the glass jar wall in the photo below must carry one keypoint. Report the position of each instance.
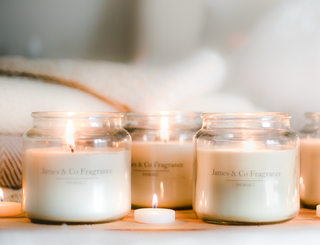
(76, 168)
(162, 157)
(310, 161)
(246, 169)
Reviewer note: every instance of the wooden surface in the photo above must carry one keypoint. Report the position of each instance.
(185, 221)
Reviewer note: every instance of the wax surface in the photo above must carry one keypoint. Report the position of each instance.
(154, 215)
(310, 170)
(257, 186)
(76, 187)
(164, 169)
(9, 209)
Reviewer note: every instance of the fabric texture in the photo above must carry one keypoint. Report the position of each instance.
(10, 161)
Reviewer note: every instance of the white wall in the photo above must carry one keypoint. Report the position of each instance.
(89, 29)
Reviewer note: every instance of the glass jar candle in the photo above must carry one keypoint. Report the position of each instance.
(162, 157)
(310, 161)
(246, 169)
(76, 168)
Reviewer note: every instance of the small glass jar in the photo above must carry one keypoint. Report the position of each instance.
(246, 169)
(76, 168)
(310, 161)
(162, 157)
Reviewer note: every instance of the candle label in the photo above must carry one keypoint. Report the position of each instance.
(76, 172)
(247, 169)
(249, 174)
(153, 168)
(77, 169)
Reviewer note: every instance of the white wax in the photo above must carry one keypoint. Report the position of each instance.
(154, 215)
(164, 169)
(10, 209)
(310, 172)
(76, 187)
(257, 186)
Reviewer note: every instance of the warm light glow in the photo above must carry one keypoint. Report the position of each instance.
(1, 195)
(70, 132)
(164, 127)
(155, 201)
(248, 146)
(301, 180)
(71, 113)
(164, 112)
(161, 189)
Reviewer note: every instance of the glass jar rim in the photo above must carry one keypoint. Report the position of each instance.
(161, 113)
(246, 116)
(76, 114)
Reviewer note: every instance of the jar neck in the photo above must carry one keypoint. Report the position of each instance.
(312, 122)
(162, 121)
(245, 120)
(78, 120)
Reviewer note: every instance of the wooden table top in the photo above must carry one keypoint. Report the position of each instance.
(185, 221)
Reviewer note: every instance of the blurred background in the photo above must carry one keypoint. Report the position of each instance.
(266, 53)
(124, 31)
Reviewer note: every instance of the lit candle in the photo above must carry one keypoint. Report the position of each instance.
(154, 215)
(8, 208)
(162, 158)
(76, 184)
(309, 175)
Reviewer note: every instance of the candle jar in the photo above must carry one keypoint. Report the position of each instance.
(246, 169)
(76, 168)
(162, 157)
(310, 161)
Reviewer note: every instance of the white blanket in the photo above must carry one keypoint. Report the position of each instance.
(75, 85)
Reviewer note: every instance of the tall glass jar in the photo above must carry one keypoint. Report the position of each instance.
(310, 161)
(162, 157)
(76, 168)
(246, 169)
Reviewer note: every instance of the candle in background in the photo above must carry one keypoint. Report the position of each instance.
(310, 161)
(154, 215)
(162, 157)
(310, 169)
(8, 209)
(247, 169)
(73, 171)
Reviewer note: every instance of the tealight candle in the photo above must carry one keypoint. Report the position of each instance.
(154, 215)
(8, 208)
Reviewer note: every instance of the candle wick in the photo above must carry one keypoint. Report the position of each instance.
(72, 150)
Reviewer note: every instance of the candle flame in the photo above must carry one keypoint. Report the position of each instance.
(70, 132)
(164, 126)
(249, 146)
(301, 180)
(1, 195)
(155, 201)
